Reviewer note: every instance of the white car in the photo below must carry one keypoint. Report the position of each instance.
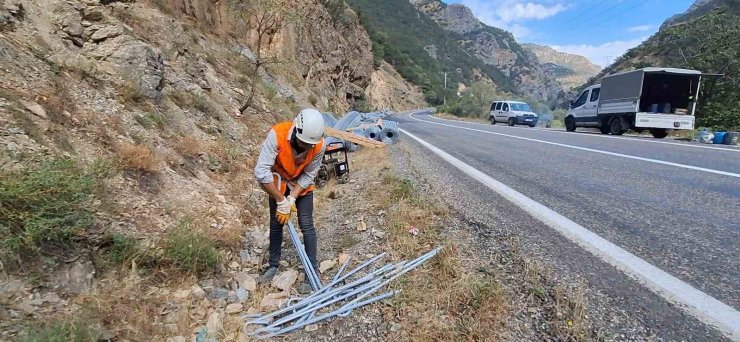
(512, 113)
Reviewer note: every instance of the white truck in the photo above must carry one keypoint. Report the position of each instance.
(656, 99)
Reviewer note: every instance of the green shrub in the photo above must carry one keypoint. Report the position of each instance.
(64, 331)
(152, 119)
(50, 203)
(190, 249)
(124, 248)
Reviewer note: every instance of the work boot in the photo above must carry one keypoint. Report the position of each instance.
(267, 276)
(304, 288)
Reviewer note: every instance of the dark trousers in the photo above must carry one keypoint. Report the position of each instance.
(304, 204)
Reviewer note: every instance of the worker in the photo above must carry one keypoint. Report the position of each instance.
(287, 165)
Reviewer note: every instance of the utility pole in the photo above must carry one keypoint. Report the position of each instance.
(444, 94)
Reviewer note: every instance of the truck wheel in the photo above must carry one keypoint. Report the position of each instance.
(659, 133)
(511, 121)
(570, 124)
(493, 121)
(532, 125)
(604, 129)
(615, 126)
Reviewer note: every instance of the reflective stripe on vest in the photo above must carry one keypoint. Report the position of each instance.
(285, 164)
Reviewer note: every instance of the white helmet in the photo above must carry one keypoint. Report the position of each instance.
(309, 126)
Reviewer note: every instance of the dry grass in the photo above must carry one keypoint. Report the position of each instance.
(131, 96)
(444, 300)
(188, 146)
(138, 157)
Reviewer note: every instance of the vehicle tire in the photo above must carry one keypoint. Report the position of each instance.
(570, 124)
(604, 128)
(659, 133)
(511, 121)
(493, 121)
(532, 125)
(615, 126)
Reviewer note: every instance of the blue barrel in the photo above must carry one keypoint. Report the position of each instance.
(731, 138)
(719, 138)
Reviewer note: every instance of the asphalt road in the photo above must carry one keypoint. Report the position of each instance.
(675, 205)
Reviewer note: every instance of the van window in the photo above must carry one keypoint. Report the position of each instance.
(595, 94)
(498, 105)
(521, 107)
(493, 105)
(506, 107)
(581, 100)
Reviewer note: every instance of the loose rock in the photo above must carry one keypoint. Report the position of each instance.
(35, 108)
(326, 265)
(285, 280)
(234, 308)
(246, 281)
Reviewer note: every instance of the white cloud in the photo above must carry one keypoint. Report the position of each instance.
(507, 14)
(528, 10)
(603, 54)
(640, 28)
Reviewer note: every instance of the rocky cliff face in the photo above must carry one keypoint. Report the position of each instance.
(569, 69)
(494, 47)
(150, 91)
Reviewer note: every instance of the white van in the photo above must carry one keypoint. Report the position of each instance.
(512, 113)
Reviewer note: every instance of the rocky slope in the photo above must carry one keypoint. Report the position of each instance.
(125, 115)
(569, 69)
(494, 47)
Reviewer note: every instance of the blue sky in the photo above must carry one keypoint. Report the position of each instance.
(601, 30)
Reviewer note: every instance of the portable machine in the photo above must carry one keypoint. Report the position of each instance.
(334, 165)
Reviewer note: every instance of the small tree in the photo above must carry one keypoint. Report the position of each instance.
(265, 18)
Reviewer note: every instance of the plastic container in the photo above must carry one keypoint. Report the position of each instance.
(719, 138)
(731, 138)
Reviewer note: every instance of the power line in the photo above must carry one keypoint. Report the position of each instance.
(618, 14)
(586, 11)
(593, 17)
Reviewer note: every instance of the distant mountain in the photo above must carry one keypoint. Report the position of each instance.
(706, 38)
(569, 69)
(493, 46)
(424, 39)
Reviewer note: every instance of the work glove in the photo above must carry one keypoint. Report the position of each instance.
(292, 204)
(284, 210)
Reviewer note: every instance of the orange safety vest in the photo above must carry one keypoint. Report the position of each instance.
(285, 165)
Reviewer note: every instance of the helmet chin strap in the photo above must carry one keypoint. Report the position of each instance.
(295, 143)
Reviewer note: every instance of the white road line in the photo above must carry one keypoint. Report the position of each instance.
(690, 167)
(728, 149)
(698, 304)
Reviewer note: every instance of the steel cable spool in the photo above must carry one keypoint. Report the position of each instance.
(389, 133)
(373, 132)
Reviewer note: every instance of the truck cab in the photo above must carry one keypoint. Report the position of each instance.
(654, 99)
(512, 113)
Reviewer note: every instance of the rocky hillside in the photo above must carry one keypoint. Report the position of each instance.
(126, 156)
(702, 40)
(569, 69)
(699, 8)
(494, 47)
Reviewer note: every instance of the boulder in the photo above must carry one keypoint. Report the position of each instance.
(138, 63)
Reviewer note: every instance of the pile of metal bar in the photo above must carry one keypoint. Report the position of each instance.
(344, 293)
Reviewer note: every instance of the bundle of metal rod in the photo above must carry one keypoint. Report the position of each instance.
(334, 299)
(313, 277)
